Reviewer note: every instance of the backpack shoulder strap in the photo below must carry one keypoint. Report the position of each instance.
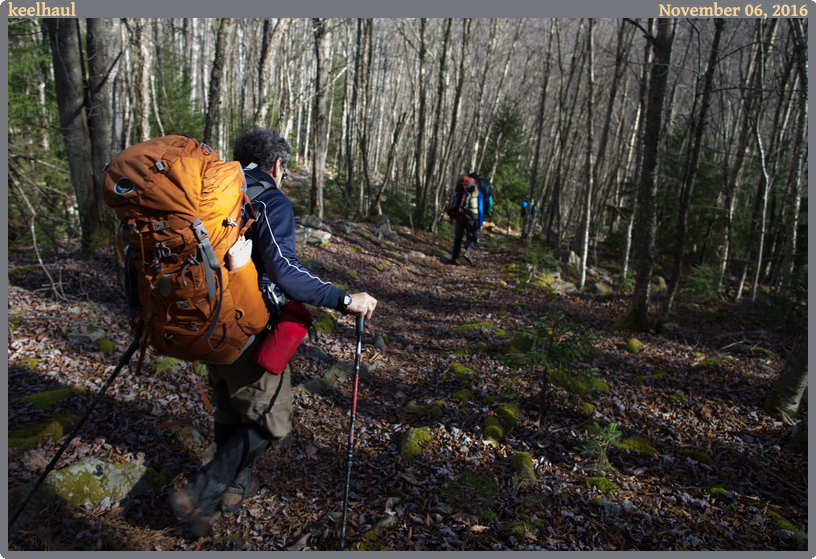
(255, 186)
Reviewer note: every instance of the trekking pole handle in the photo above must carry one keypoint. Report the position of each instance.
(360, 325)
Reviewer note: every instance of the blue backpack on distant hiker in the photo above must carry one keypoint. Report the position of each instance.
(487, 195)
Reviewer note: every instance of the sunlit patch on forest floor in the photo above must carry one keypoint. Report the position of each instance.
(722, 477)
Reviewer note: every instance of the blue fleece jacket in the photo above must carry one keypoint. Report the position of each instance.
(273, 248)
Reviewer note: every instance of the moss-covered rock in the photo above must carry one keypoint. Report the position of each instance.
(50, 429)
(713, 361)
(411, 443)
(325, 322)
(460, 371)
(465, 328)
(105, 345)
(640, 444)
(603, 485)
(659, 282)
(633, 345)
(463, 395)
(678, 396)
(577, 384)
(27, 363)
(493, 430)
(432, 410)
(481, 346)
(86, 482)
(523, 468)
(510, 413)
(50, 398)
(588, 408)
(766, 353)
(696, 455)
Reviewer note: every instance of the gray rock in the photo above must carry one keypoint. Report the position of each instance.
(574, 260)
(86, 337)
(321, 355)
(386, 522)
(312, 221)
(312, 386)
(379, 342)
(312, 265)
(601, 289)
(563, 287)
(318, 237)
(88, 482)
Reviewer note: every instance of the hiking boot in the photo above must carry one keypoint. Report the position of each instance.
(468, 257)
(453, 262)
(232, 499)
(182, 504)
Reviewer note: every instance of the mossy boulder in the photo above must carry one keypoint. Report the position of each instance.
(465, 328)
(27, 363)
(493, 430)
(50, 429)
(588, 408)
(510, 413)
(523, 468)
(640, 444)
(659, 282)
(411, 443)
(577, 384)
(696, 455)
(463, 395)
(633, 345)
(602, 484)
(89, 481)
(713, 361)
(432, 410)
(325, 322)
(766, 353)
(460, 371)
(105, 345)
(50, 398)
(481, 346)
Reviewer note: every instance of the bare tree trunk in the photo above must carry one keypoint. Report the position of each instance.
(319, 137)
(589, 162)
(420, 124)
(104, 53)
(539, 130)
(479, 109)
(639, 130)
(364, 122)
(74, 125)
(351, 122)
(440, 102)
(799, 144)
(214, 97)
(696, 129)
(271, 40)
(788, 389)
(637, 317)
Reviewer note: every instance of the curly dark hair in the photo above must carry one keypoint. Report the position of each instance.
(262, 147)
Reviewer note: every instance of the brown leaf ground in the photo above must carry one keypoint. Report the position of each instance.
(459, 494)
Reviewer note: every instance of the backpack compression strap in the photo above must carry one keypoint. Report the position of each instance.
(210, 263)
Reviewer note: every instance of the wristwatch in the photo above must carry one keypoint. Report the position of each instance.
(345, 301)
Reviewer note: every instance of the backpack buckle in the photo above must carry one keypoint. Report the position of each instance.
(163, 251)
(206, 149)
(159, 226)
(229, 222)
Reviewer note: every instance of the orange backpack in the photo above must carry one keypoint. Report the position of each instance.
(182, 209)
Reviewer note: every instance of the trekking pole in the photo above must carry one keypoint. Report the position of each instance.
(122, 362)
(360, 331)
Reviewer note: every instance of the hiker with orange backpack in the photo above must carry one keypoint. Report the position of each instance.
(253, 404)
(467, 214)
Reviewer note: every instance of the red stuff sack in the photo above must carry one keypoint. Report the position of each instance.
(280, 344)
